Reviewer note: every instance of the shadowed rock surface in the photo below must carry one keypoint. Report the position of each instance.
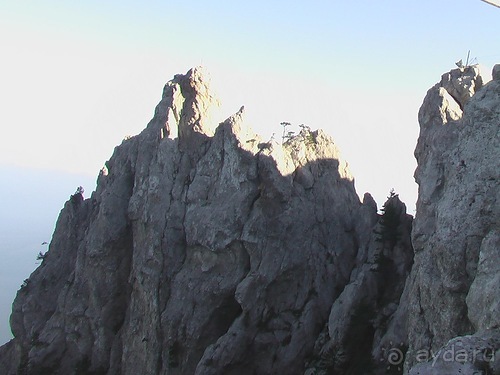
(363, 323)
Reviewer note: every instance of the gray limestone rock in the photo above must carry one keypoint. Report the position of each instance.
(453, 288)
(201, 251)
(483, 298)
(496, 72)
(206, 250)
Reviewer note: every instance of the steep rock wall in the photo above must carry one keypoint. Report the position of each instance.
(454, 288)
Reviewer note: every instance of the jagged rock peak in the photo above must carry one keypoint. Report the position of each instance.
(190, 113)
(462, 83)
(446, 100)
(207, 251)
(187, 106)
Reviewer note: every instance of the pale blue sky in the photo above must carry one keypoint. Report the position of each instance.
(76, 77)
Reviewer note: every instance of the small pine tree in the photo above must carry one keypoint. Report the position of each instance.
(78, 196)
(389, 222)
(284, 135)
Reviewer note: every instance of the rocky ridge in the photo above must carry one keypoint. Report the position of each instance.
(207, 250)
(203, 250)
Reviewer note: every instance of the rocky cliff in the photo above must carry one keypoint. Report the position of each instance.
(454, 288)
(207, 250)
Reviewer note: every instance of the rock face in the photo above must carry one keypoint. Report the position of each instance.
(454, 288)
(364, 324)
(204, 250)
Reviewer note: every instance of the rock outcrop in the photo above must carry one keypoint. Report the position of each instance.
(454, 288)
(207, 250)
(203, 250)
